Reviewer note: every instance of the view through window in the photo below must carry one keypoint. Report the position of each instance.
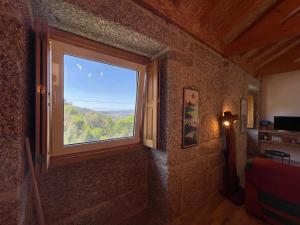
(99, 101)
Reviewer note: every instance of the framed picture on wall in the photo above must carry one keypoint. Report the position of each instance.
(243, 115)
(190, 136)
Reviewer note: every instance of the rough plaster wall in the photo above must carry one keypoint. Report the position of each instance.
(179, 181)
(15, 17)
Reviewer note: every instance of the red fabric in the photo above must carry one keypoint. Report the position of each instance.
(251, 199)
(279, 180)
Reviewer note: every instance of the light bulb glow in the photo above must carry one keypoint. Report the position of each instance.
(226, 123)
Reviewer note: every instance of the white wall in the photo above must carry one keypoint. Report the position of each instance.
(281, 95)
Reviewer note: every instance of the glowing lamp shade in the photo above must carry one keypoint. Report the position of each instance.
(226, 123)
(228, 119)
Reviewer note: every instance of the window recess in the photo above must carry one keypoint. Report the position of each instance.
(91, 98)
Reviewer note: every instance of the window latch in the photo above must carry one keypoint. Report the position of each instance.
(41, 89)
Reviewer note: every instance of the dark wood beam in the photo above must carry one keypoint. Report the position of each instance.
(271, 28)
(235, 15)
(210, 8)
(275, 52)
(285, 63)
(241, 16)
(284, 69)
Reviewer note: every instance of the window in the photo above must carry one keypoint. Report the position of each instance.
(99, 101)
(251, 112)
(91, 98)
(96, 99)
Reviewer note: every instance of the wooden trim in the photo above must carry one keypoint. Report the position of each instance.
(78, 41)
(58, 147)
(45, 73)
(150, 121)
(96, 154)
(37, 144)
(36, 194)
(158, 139)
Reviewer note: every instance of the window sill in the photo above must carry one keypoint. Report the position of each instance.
(56, 161)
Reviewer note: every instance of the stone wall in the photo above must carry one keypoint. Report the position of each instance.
(99, 191)
(179, 181)
(171, 181)
(16, 92)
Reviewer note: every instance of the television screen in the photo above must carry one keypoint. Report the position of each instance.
(288, 123)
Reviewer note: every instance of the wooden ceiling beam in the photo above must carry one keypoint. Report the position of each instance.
(284, 63)
(252, 53)
(258, 54)
(269, 29)
(189, 24)
(289, 67)
(235, 15)
(266, 52)
(209, 9)
(273, 54)
(241, 17)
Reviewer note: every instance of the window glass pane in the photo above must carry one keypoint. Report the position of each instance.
(99, 101)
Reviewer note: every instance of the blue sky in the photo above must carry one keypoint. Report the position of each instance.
(98, 86)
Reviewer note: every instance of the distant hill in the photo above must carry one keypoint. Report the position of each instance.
(123, 112)
(118, 114)
(86, 125)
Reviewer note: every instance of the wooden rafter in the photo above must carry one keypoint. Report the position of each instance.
(252, 53)
(271, 28)
(284, 63)
(273, 54)
(168, 11)
(259, 32)
(234, 16)
(211, 7)
(240, 17)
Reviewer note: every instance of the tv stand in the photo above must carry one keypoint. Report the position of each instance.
(286, 141)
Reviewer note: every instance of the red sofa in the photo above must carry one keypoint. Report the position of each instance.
(273, 191)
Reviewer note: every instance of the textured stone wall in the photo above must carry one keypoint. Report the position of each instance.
(15, 86)
(171, 181)
(236, 83)
(100, 191)
(179, 181)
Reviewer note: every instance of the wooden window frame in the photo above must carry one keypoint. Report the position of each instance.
(44, 34)
(251, 111)
(59, 49)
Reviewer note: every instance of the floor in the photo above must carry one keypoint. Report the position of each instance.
(227, 213)
(221, 213)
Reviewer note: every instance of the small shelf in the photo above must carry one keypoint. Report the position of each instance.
(280, 133)
(280, 143)
(281, 139)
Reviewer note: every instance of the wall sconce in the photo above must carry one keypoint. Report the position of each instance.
(226, 123)
(228, 119)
